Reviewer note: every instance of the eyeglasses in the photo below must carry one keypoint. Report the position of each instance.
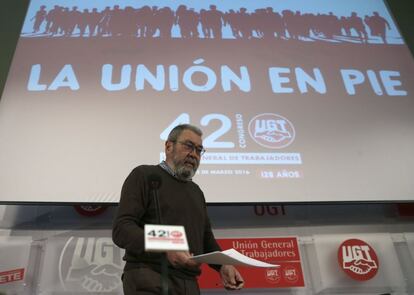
(190, 147)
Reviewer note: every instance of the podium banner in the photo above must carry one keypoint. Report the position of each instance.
(283, 251)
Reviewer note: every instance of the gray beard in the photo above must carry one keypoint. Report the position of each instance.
(184, 173)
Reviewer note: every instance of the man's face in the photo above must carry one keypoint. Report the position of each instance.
(182, 157)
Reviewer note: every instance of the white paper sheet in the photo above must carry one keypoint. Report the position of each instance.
(232, 257)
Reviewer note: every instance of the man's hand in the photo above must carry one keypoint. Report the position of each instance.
(182, 259)
(231, 278)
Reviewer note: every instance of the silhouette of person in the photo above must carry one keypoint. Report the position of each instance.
(273, 24)
(152, 26)
(214, 22)
(204, 23)
(332, 25)
(298, 26)
(144, 16)
(378, 26)
(165, 20)
(103, 25)
(289, 22)
(194, 20)
(308, 20)
(39, 17)
(185, 19)
(93, 21)
(244, 23)
(356, 23)
(115, 21)
(232, 19)
(180, 20)
(73, 19)
(60, 21)
(83, 22)
(51, 18)
(317, 24)
(345, 25)
(127, 23)
(258, 23)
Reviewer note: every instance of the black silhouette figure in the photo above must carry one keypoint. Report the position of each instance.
(262, 23)
(356, 23)
(51, 19)
(378, 26)
(72, 20)
(272, 24)
(244, 23)
(181, 19)
(214, 22)
(143, 19)
(83, 22)
(231, 18)
(103, 25)
(204, 23)
(93, 20)
(151, 22)
(289, 23)
(345, 25)
(39, 17)
(165, 21)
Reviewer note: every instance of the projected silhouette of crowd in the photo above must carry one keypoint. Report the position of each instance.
(156, 22)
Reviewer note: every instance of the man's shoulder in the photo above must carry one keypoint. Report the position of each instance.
(142, 173)
(146, 169)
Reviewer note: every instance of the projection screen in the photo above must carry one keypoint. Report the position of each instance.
(299, 101)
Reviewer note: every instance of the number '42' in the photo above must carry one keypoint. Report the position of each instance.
(159, 233)
(212, 140)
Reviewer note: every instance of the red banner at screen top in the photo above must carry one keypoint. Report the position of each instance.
(283, 251)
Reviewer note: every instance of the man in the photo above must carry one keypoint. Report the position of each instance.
(378, 26)
(182, 203)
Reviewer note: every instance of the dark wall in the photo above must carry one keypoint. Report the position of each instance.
(403, 11)
(12, 13)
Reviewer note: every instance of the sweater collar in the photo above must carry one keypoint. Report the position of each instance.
(169, 170)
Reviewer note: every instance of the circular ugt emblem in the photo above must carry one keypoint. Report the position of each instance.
(290, 273)
(273, 275)
(176, 234)
(90, 210)
(358, 259)
(90, 264)
(271, 131)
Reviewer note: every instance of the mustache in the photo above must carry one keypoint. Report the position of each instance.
(191, 160)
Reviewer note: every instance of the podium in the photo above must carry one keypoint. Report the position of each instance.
(162, 239)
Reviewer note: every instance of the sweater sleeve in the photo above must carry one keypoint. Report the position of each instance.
(210, 243)
(127, 233)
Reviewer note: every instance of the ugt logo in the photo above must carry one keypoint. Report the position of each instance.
(358, 259)
(271, 131)
(90, 264)
(273, 275)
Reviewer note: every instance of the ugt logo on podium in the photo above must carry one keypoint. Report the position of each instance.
(358, 259)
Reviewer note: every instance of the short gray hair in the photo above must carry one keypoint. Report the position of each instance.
(177, 130)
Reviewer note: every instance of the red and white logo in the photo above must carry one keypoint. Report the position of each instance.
(11, 276)
(271, 131)
(290, 273)
(176, 234)
(358, 259)
(273, 275)
(90, 210)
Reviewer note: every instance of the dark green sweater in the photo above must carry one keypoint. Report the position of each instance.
(181, 203)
